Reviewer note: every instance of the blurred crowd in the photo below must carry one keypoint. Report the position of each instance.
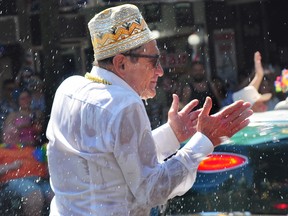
(24, 178)
(258, 88)
(24, 181)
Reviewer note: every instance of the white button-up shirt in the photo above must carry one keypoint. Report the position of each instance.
(103, 157)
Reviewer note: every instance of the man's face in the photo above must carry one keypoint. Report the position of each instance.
(24, 100)
(198, 73)
(142, 75)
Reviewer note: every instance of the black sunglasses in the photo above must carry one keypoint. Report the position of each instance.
(156, 57)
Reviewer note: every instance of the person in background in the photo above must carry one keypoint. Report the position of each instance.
(23, 77)
(250, 94)
(263, 80)
(7, 103)
(103, 158)
(223, 91)
(38, 100)
(157, 107)
(226, 96)
(267, 86)
(29, 182)
(22, 80)
(259, 71)
(197, 86)
(23, 126)
(36, 87)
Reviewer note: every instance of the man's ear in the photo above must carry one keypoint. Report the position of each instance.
(119, 62)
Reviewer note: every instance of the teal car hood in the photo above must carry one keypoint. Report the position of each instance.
(263, 127)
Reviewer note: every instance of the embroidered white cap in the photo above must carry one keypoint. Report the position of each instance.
(118, 29)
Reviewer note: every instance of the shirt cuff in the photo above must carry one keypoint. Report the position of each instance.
(165, 140)
(199, 143)
(195, 150)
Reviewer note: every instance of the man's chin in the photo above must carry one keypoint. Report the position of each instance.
(148, 95)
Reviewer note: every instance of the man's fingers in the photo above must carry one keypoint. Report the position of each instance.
(194, 114)
(235, 108)
(238, 119)
(175, 104)
(226, 111)
(189, 107)
(244, 115)
(239, 112)
(207, 107)
(240, 126)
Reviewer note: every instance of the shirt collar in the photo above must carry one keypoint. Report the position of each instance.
(110, 77)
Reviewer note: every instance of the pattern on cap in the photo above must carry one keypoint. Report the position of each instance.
(117, 30)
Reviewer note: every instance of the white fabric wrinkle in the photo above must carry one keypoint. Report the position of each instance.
(166, 141)
(149, 181)
(115, 171)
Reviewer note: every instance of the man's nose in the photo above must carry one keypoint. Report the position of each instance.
(159, 70)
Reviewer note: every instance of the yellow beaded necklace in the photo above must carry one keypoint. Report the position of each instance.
(97, 79)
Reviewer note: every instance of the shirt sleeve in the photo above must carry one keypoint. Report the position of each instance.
(195, 150)
(166, 141)
(153, 183)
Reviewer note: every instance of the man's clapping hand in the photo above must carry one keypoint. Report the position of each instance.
(225, 123)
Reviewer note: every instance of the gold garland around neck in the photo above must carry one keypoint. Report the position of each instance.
(97, 79)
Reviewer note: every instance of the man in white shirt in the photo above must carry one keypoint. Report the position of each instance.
(103, 157)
